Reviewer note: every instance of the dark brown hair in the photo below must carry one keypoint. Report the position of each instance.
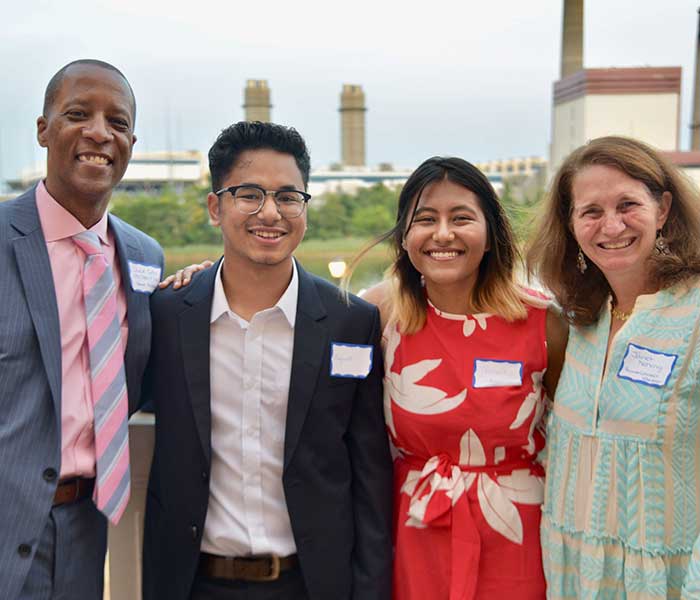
(495, 291)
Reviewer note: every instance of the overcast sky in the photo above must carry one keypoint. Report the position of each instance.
(469, 78)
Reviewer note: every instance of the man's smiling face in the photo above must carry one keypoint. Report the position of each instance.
(266, 237)
(88, 131)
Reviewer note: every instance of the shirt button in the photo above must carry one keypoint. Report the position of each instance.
(195, 532)
(205, 475)
(24, 550)
(248, 383)
(49, 474)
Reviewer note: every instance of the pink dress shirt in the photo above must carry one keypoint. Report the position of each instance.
(67, 260)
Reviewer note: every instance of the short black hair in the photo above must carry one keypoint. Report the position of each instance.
(55, 82)
(255, 135)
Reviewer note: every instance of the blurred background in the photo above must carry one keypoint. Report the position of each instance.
(374, 87)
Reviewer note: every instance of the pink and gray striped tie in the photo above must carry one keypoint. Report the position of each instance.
(109, 396)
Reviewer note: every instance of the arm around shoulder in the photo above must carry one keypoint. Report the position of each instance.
(557, 337)
(379, 295)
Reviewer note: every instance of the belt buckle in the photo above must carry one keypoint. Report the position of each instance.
(274, 573)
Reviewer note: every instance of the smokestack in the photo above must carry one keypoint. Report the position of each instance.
(572, 38)
(352, 125)
(695, 125)
(256, 100)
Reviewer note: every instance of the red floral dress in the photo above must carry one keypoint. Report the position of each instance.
(463, 401)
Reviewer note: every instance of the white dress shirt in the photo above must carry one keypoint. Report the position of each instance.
(251, 364)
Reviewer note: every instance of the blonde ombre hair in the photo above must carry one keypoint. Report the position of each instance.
(496, 291)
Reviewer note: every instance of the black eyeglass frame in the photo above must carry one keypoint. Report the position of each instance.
(234, 188)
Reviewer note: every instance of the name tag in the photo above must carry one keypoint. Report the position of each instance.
(144, 278)
(497, 373)
(646, 366)
(351, 360)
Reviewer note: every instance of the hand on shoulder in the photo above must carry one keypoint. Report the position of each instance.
(379, 295)
(182, 277)
(557, 337)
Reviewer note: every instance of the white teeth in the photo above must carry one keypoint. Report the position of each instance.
(444, 254)
(617, 245)
(91, 158)
(268, 234)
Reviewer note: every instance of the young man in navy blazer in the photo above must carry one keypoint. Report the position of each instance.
(271, 476)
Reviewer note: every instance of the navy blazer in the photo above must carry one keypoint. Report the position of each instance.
(30, 374)
(337, 473)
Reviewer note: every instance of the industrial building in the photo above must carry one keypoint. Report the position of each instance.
(642, 103)
(147, 172)
(256, 101)
(638, 102)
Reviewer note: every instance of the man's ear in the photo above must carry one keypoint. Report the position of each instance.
(214, 206)
(41, 127)
(131, 147)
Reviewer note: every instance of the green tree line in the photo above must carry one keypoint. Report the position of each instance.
(364, 214)
(172, 218)
(181, 218)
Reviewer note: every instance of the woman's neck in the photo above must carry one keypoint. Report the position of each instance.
(455, 299)
(625, 292)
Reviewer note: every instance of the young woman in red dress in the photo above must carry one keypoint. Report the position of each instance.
(469, 356)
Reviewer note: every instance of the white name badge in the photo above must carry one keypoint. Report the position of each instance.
(351, 360)
(646, 366)
(497, 373)
(144, 278)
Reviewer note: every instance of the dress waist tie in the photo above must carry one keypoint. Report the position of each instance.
(437, 489)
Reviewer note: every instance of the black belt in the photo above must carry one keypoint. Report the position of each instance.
(263, 567)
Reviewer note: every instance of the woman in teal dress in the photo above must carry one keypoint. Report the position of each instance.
(619, 246)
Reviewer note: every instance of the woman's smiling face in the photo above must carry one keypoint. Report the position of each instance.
(448, 236)
(614, 219)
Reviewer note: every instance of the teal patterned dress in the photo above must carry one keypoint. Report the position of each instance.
(622, 496)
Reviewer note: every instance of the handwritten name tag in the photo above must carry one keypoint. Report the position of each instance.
(144, 278)
(646, 366)
(497, 373)
(351, 360)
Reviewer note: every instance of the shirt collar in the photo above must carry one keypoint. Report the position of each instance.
(287, 302)
(58, 224)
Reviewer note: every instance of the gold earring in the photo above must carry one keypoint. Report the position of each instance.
(581, 263)
(661, 245)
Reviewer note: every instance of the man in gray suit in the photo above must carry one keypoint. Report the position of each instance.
(75, 336)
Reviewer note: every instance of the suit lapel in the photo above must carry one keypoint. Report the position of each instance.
(310, 343)
(194, 341)
(35, 270)
(129, 249)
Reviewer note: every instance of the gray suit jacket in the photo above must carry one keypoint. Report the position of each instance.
(30, 375)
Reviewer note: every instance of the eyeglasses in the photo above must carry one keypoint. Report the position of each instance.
(249, 199)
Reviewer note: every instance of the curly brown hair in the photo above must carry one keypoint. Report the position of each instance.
(552, 251)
